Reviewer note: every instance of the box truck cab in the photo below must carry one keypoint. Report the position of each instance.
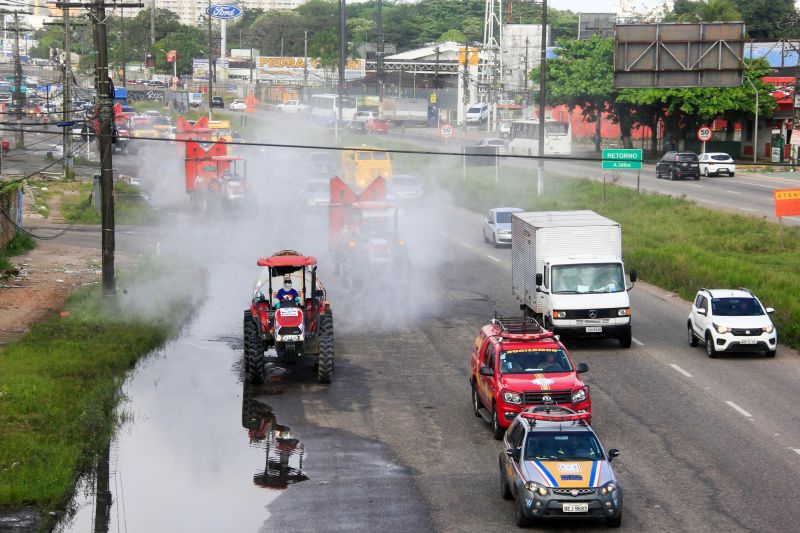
(567, 268)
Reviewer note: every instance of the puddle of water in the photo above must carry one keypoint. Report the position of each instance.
(184, 461)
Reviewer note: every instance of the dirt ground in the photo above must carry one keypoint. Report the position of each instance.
(45, 277)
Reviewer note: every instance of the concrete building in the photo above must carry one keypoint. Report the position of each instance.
(521, 47)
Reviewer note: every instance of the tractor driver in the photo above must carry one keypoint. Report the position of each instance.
(287, 293)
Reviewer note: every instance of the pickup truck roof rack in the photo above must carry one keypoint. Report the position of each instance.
(554, 413)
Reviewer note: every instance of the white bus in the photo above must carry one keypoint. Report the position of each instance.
(325, 109)
(525, 137)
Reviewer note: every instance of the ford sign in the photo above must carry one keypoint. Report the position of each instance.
(223, 11)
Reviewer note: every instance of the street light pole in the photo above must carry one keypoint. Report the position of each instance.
(341, 64)
(755, 124)
(542, 82)
(305, 65)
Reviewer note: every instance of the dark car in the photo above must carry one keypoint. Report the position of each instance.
(675, 165)
(217, 101)
(358, 126)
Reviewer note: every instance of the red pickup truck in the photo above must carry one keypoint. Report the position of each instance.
(515, 364)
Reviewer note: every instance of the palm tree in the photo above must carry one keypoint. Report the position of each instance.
(711, 11)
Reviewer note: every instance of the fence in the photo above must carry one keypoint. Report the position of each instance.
(10, 208)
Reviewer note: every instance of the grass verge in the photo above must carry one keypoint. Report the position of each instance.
(59, 385)
(20, 244)
(130, 207)
(672, 242)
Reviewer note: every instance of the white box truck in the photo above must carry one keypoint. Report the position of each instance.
(405, 111)
(567, 270)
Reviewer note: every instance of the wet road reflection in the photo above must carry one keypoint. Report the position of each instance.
(283, 449)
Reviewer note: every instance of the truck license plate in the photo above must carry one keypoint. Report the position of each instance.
(575, 508)
(594, 329)
(747, 341)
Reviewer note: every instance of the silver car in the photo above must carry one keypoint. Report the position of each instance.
(404, 187)
(317, 193)
(497, 225)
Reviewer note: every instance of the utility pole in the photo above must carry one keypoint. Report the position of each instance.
(466, 86)
(66, 108)
(525, 74)
(66, 104)
(19, 96)
(124, 50)
(342, 45)
(105, 97)
(795, 110)
(542, 99)
(153, 28)
(106, 118)
(210, 63)
(380, 51)
(305, 65)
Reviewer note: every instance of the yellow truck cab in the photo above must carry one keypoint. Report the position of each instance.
(220, 130)
(363, 164)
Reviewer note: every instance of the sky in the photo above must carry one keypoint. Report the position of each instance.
(586, 6)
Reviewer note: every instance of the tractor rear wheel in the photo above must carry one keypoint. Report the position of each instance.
(325, 358)
(254, 360)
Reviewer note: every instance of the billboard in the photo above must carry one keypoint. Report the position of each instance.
(664, 55)
(200, 69)
(291, 71)
(600, 24)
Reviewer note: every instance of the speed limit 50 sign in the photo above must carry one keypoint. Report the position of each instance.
(703, 133)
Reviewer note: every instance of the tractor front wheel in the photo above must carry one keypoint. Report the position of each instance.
(254, 360)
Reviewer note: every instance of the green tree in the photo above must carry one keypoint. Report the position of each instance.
(452, 35)
(685, 109)
(187, 42)
(705, 11)
(279, 29)
(362, 29)
(768, 19)
(582, 76)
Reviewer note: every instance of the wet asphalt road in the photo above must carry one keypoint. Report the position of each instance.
(392, 444)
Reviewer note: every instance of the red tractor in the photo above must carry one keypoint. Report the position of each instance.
(214, 179)
(295, 330)
(364, 230)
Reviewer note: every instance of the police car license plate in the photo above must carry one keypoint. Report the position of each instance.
(747, 341)
(594, 329)
(575, 508)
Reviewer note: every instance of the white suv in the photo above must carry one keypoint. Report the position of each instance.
(477, 113)
(731, 321)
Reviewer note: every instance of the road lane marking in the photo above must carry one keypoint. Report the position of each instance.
(765, 186)
(796, 450)
(493, 258)
(705, 201)
(637, 341)
(682, 371)
(733, 192)
(747, 209)
(739, 409)
(467, 245)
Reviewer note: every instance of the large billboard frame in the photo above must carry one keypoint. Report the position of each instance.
(678, 55)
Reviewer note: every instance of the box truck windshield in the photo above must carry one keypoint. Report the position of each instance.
(588, 278)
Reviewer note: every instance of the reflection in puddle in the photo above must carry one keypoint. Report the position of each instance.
(284, 451)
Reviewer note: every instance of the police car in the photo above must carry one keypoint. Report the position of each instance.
(553, 466)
